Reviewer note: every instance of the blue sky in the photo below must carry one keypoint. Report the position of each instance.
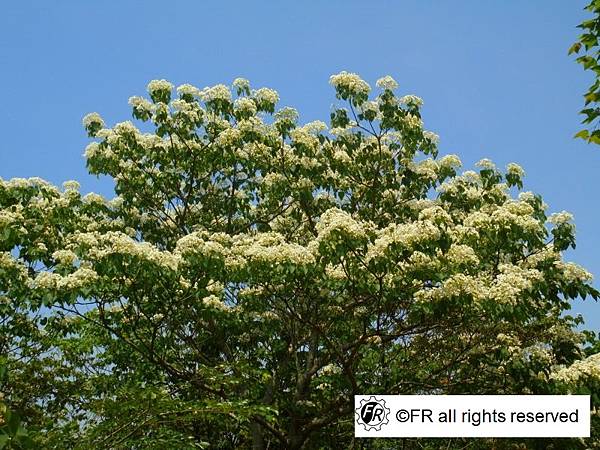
(495, 77)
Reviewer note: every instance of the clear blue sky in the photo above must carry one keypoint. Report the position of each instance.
(495, 77)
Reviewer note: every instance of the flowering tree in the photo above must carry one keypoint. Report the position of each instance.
(251, 275)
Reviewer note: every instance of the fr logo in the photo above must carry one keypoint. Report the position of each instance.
(372, 413)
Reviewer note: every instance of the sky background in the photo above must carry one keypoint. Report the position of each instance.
(495, 78)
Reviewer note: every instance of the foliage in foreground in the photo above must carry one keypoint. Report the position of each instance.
(251, 275)
(590, 60)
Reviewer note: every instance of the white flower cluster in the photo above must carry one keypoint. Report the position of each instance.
(338, 221)
(253, 124)
(245, 105)
(343, 132)
(82, 277)
(335, 272)
(126, 128)
(302, 136)
(159, 86)
(273, 179)
(242, 84)
(8, 218)
(315, 127)
(271, 248)
(9, 265)
(461, 254)
(428, 168)
(71, 185)
(113, 242)
(435, 214)
(411, 121)
(92, 198)
(411, 100)
(454, 286)
(201, 244)
(573, 273)
(287, 114)
(515, 169)
(214, 302)
(189, 111)
(91, 119)
(266, 95)
(560, 218)
(581, 370)
(188, 89)
(526, 196)
(341, 156)
(350, 81)
(387, 82)
(431, 136)
(486, 164)
(65, 257)
(220, 92)
(46, 281)
(229, 137)
(405, 235)
(516, 213)
(511, 282)
(450, 161)
(141, 104)
(511, 214)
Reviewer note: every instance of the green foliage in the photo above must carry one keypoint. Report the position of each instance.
(589, 58)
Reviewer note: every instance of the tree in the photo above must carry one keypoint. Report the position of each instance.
(590, 60)
(251, 275)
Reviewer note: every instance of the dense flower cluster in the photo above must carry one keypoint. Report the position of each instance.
(387, 82)
(582, 370)
(218, 92)
(159, 86)
(349, 84)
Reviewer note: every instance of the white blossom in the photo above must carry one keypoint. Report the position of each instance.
(486, 164)
(515, 169)
(71, 185)
(245, 104)
(266, 95)
(287, 114)
(350, 81)
(387, 82)
(214, 302)
(241, 84)
(66, 257)
(560, 218)
(588, 368)
(220, 92)
(93, 119)
(188, 89)
(158, 86)
(411, 100)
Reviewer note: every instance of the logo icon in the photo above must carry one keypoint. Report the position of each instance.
(372, 413)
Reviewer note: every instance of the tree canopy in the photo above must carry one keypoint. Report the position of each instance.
(251, 275)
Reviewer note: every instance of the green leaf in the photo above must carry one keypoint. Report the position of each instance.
(575, 48)
(13, 421)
